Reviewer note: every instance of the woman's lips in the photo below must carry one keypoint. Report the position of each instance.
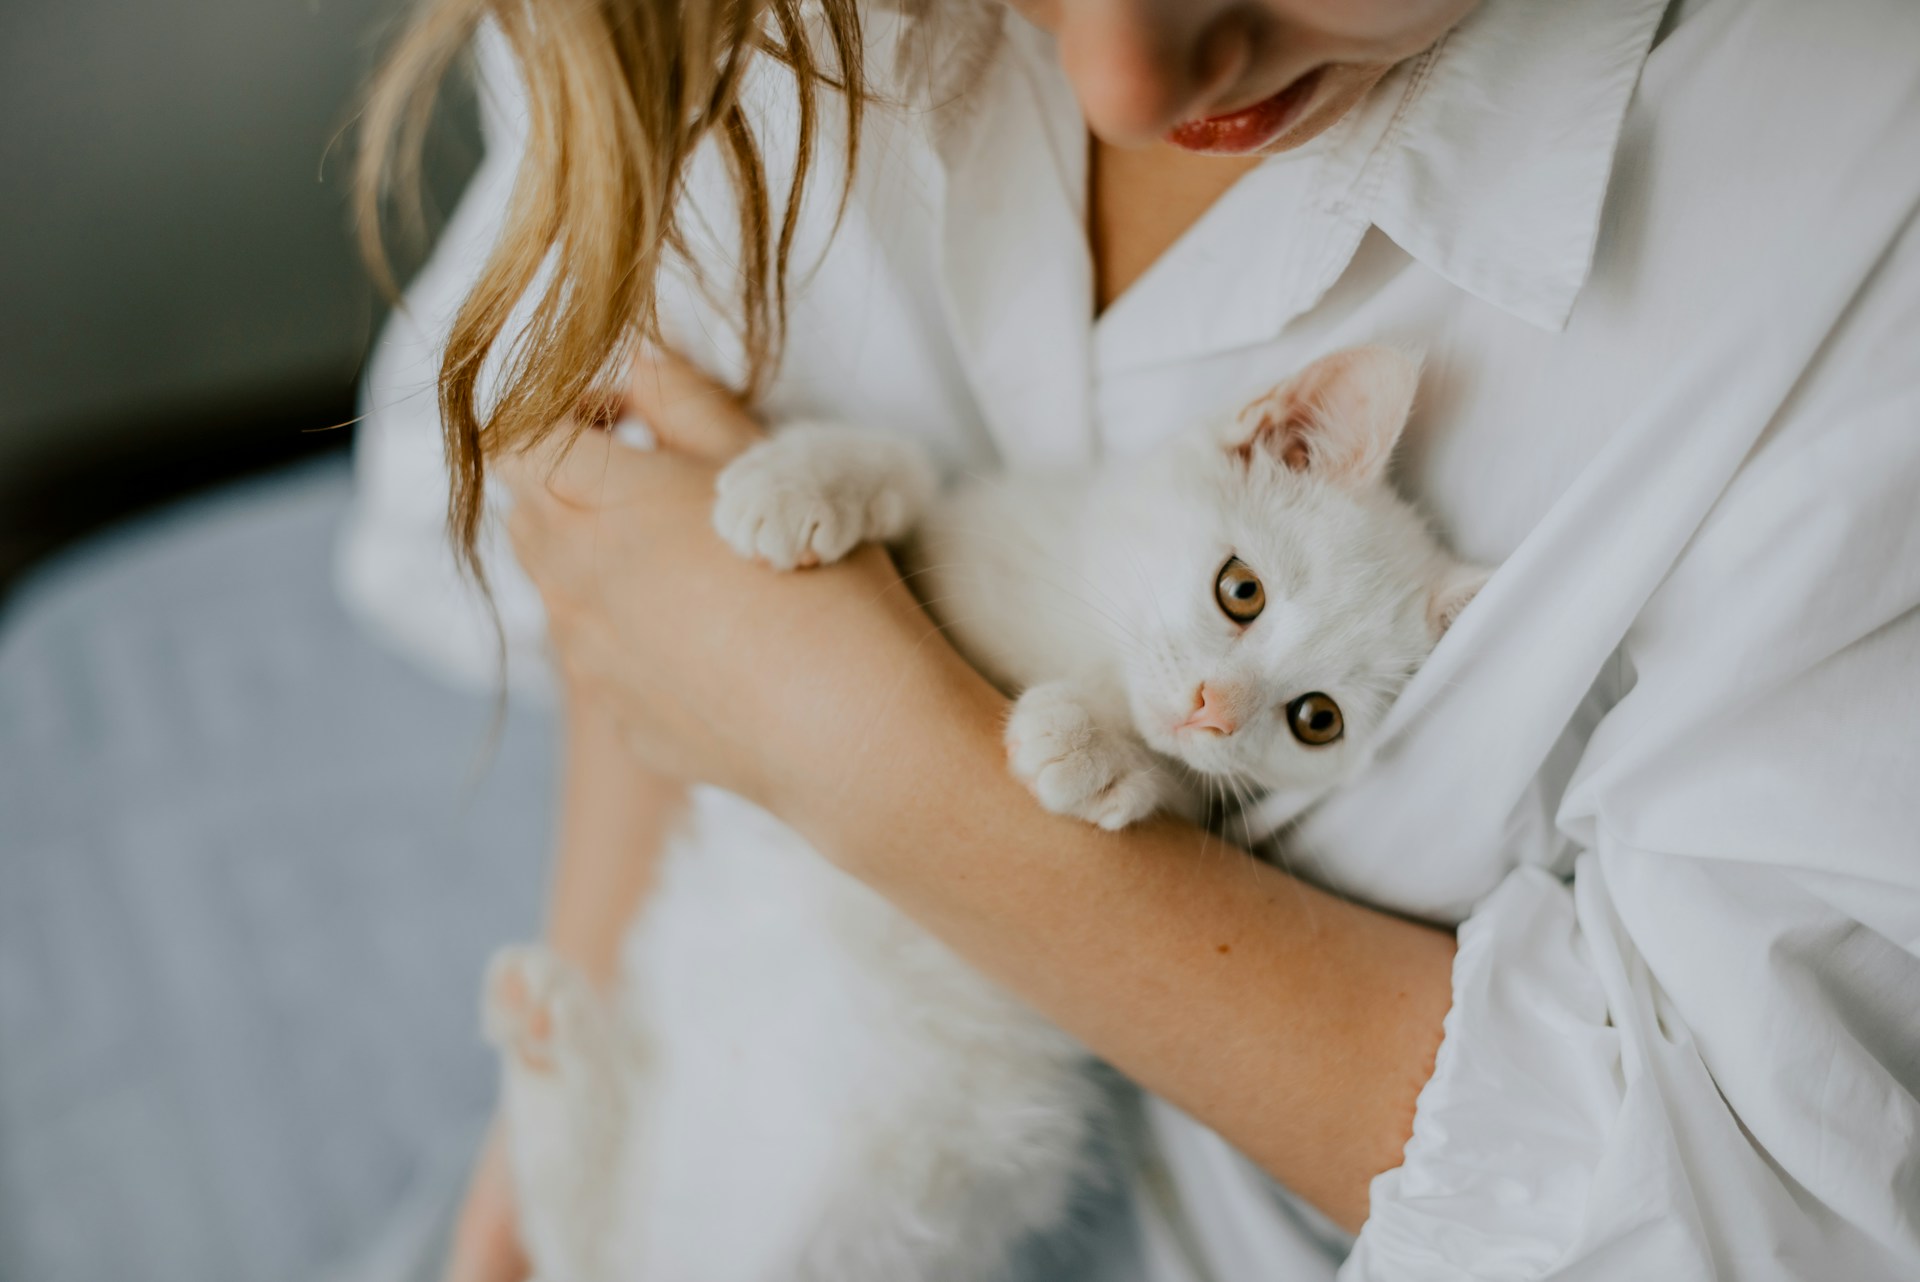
(1242, 132)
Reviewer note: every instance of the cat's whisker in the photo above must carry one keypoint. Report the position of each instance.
(1242, 802)
(1153, 598)
(1276, 844)
(1210, 788)
(1229, 781)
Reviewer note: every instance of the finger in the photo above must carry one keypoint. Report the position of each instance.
(525, 534)
(520, 470)
(688, 411)
(575, 468)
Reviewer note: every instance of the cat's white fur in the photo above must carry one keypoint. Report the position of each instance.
(795, 1083)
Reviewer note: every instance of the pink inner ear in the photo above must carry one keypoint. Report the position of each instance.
(1339, 417)
(1453, 593)
(1279, 424)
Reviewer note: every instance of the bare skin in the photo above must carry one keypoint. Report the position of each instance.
(614, 820)
(1142, 200)
(1300, 1027)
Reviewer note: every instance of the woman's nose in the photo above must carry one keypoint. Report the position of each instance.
(1140, 67)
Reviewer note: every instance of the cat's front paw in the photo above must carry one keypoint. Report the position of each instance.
(1076, 767)
(811, 494)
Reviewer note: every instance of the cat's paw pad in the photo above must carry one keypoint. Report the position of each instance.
(811, 495)
(533, 1003)
(1076, 768)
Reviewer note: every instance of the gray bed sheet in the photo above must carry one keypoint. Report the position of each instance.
(250, 868)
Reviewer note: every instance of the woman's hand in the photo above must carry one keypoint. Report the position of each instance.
(719, 671)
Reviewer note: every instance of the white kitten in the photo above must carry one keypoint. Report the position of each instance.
(1234, 611)
(796, 1083)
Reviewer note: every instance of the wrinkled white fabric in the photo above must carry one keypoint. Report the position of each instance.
(1665, 771)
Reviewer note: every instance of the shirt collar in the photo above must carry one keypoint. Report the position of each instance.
(1485, 159)
(1494, 171)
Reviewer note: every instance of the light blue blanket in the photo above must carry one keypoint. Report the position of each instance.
(249, 869)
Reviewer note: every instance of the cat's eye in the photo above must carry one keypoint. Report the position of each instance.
(1315, 720)
(1239, 592)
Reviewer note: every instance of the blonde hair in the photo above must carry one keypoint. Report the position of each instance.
(620, 95)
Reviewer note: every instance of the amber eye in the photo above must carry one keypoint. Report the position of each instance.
(1315, 720)
(1239, 592)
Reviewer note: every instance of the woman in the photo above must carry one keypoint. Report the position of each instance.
(1621, 979)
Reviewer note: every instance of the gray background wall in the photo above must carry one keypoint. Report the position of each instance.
(174, 245)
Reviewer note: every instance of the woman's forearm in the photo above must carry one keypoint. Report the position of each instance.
(1298, 1025)
(614, 819)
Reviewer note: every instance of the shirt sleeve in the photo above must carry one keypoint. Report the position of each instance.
(1699, 1057)
(395, 568)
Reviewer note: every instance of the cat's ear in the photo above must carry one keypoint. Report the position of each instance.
(1338, 418)
(1458, 584)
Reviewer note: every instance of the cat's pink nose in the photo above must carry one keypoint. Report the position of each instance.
(1210, 713)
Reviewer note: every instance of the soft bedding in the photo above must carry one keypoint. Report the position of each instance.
(250, 865)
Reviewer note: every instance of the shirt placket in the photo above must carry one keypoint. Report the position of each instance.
(1016, 274)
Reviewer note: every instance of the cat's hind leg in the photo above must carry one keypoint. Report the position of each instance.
(563, 1054)
(814, 492)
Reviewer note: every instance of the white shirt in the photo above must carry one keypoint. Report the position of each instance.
(1665, 772)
